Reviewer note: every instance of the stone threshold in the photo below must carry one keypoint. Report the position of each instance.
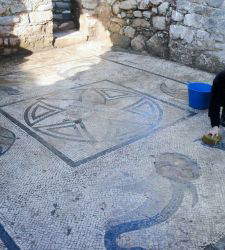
(68, 38)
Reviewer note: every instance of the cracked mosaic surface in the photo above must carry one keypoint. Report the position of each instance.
(100, 152)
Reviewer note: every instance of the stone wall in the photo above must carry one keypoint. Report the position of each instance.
(197, 38)
(26, 24)
(95, 20)
(188, 31)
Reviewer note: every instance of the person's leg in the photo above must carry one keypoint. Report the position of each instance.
(215, 104)
(217, 101)
(222, 120)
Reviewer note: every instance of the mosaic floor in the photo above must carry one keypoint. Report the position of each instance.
(101, 151)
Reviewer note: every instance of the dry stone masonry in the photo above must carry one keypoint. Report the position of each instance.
(197, 33)
(26, 24)
(188, 31)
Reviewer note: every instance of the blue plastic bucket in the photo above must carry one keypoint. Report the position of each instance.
(199, 95)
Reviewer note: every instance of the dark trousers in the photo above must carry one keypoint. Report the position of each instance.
(217, 102)
(222, 119)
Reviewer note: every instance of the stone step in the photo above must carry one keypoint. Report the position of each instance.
(68, 38)
(66, 26)
(62, 17)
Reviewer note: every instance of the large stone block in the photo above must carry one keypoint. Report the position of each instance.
(111, 2)
(218, 14)
(18, 8)
(197, 7)
(147, 14)
(177, 16)
(215, 3)
(137, 13)
(120, 40)
(138, 43)
(148, 32)
(117, 20)
(202, 10)
(115, 27)
(90, 4)
(182, 32)
(40, 17)
(129, 32)
(33, 30)
(203, 35)
(45, 7)
(138, 22)
(122, 15)
(33, 5)
(159, 22)
(116, 8)
(128, 5)
(184, 5)
(144, 5)
(24, 19)
(193, 20)
(156, 2)
(162, 9)
(178, 31)
(157, 45)
(35, 42)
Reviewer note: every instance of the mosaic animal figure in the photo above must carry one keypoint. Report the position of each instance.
(179, 170)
